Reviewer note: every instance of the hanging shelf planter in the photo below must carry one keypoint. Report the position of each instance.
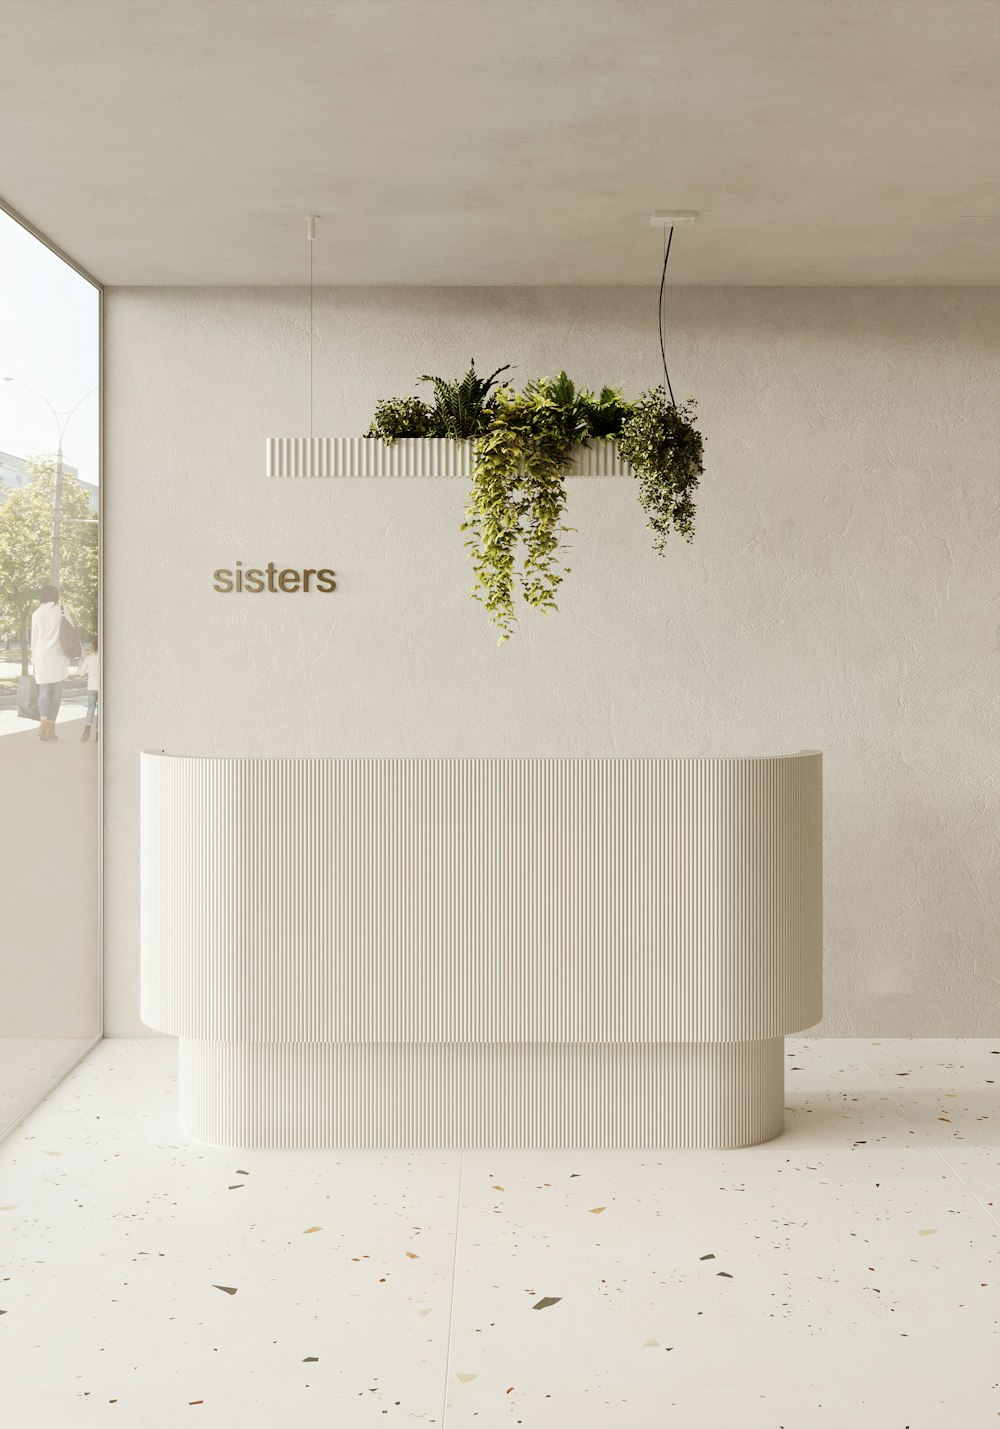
(516, 448)
(411, 457)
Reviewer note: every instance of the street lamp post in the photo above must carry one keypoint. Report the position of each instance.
(62, 420)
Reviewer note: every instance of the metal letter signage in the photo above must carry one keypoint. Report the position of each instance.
(271, 578)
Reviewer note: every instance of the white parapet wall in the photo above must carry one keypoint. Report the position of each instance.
(448, 952)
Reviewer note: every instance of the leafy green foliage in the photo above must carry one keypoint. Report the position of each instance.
(605, 413)
(518, 497)
(523, 443)
(397, 417)
(462, 405)
(661, 444)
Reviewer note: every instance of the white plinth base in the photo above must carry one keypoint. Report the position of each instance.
(439, 1095)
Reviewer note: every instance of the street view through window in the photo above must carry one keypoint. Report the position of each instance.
(50, 665)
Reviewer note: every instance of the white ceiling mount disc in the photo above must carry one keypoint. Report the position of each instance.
(671, 217)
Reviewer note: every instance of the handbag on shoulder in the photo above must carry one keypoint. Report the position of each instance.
(68, 637)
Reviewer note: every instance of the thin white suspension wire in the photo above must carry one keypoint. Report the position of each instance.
(311, 222)
(311, 247)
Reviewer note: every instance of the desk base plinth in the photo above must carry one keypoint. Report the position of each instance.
(478, 1095)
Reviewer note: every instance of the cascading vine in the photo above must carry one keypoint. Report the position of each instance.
(664, 448)
(518, 496)
(523, 447)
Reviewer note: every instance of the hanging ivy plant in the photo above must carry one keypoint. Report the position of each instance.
(523, 446)
(664, 449)
(518, 496)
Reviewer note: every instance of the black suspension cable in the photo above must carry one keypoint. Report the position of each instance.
(663, 346)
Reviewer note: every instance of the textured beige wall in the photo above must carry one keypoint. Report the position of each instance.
(840, 593)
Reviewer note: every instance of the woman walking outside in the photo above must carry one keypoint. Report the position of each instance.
(51, 664)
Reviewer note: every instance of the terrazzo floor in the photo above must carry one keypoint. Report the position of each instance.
(843, 1276)
(28, 1065)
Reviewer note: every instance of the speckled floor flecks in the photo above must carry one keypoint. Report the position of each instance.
(28, 1065)
(843, 1276)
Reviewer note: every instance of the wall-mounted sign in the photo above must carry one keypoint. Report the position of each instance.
(253, 580)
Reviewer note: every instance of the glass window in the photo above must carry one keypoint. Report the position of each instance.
(50, 673)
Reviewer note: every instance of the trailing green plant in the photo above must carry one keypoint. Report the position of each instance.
(523, 447)
(518, 496)
(397, 417)
(663, 447)
(462, 405)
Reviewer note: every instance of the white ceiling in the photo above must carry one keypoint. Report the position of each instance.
(507, 141)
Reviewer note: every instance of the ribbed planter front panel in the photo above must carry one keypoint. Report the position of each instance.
(409, 457)
(396, 900)
(475, 1095)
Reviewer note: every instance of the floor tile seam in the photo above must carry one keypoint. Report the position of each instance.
(9, 1130)
(454, 1284)
(849, 1043)
(933, 1146)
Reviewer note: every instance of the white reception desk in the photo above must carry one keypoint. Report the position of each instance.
(495, 952)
